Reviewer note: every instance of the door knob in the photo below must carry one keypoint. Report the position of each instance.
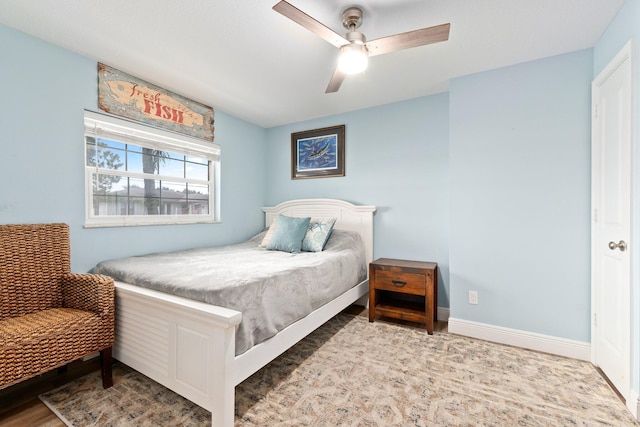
(622, 245)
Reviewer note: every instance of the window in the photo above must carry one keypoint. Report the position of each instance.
(139, 175)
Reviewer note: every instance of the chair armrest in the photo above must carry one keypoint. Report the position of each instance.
(91, 292)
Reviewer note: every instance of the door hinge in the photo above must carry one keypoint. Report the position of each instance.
(595, 319)
(595, 215)
(595, 111)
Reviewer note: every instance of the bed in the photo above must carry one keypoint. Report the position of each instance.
(189, 346)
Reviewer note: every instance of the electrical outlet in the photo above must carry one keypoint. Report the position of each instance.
(473, 297)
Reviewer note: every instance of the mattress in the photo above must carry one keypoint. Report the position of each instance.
(272, 289)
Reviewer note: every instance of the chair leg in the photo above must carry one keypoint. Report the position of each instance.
(106, 361)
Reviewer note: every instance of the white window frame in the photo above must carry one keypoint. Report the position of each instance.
(109, 127)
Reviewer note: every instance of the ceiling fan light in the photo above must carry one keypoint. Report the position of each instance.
(353, 58)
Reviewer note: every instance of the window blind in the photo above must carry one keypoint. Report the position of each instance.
(108, 127)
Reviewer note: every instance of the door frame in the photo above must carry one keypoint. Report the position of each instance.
(625, 54)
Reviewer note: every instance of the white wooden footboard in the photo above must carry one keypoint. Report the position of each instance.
(185, 345)
(189, 347)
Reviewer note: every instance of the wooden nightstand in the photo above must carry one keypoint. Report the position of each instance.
(406, 290)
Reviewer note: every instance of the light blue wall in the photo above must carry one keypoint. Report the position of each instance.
(44, 92)
(490, 180)
(625, 27)
(520, 196)
(396, 159)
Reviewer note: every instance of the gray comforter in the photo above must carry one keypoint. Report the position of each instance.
(272, 289)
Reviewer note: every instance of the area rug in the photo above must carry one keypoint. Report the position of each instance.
(354, 373)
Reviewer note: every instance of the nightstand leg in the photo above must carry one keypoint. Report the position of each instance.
(429, 323)
(372, 294)
(429, 306)
(372, 304)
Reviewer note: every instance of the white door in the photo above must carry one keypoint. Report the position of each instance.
(611, 193)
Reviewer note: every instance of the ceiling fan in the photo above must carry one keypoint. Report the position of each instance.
(354, 47)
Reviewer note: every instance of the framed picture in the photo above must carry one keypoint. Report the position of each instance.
(317, 153)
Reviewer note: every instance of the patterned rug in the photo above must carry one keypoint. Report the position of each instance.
(354, 373)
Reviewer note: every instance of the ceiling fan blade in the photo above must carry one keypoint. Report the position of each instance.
(336, 81)
(310, 23)
(415, 38)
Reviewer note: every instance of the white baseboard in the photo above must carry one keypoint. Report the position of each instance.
(91, 356)
(443, 314)
(545, 343)
(633, 404)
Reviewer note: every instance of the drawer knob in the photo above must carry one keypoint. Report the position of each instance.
(398, 283)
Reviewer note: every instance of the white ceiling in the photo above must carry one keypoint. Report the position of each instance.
(243, 58)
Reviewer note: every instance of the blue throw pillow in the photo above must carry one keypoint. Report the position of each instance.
(289, 234)
(317, 234)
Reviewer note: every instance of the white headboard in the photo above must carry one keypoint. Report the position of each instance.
(349, 216)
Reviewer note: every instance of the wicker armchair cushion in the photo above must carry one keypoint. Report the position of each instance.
(44, 324)
(36, 342)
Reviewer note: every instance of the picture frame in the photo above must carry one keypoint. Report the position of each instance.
(318, 153)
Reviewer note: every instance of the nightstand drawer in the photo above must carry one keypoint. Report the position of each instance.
(406, 283)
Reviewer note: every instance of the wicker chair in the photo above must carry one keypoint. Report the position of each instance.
(49, 316)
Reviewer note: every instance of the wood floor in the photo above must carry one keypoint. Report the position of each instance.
(20, 406)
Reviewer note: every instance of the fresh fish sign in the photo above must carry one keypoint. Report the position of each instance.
(317, 153)
(132, 98)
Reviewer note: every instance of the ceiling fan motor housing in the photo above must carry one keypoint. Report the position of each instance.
(352, 18)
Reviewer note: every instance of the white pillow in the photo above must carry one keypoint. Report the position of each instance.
(267, 237)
